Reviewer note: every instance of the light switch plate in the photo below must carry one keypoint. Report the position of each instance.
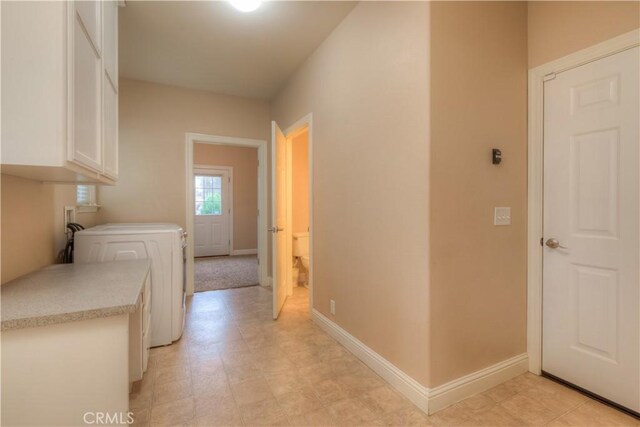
(502, 216)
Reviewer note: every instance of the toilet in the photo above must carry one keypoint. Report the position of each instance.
(301, 249)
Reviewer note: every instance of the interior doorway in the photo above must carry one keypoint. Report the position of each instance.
(292, 192)
(227, 252)
(298, 206)
(225, 217)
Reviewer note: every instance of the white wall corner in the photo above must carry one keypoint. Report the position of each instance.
(237, 252)
(459, 389)
(402, 382)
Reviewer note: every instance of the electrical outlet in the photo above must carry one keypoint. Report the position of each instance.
(332, 307)
(69, 216)
(502, 216)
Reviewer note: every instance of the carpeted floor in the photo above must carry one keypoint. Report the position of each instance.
(225, 272)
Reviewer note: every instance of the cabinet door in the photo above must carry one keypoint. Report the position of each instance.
(89, 14)
(110, 142)
(110, 11)
(85, 138)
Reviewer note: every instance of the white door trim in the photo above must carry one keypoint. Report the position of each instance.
(205, 169)
(537, 76)
(306, 122)
(190, 139)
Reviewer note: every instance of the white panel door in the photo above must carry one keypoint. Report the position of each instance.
(279, 216)
(212, 214)
(590, 292)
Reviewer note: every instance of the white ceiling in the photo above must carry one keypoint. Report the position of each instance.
(210, 45)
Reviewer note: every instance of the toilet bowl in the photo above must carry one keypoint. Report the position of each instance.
(305, 262)
(301, 252)
(301, 245)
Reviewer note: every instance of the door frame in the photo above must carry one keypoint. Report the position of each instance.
(261, 145)
(305, 123)
(537, 77)
(204, 170)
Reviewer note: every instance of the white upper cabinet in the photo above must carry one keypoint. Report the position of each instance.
(110, 142)
(59, 91)
(110, 88)
(85, 142)
(110, 12)
(89, 13)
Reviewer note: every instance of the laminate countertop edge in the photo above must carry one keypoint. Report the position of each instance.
(72, 292)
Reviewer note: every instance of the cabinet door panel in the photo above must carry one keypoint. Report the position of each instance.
(110, 10)
(86, 139)
(110, 142)
(89, 13)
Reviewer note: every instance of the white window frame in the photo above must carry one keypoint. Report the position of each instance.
(206, 170)
(92, 206)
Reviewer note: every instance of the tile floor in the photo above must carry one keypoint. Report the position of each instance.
(236, 366)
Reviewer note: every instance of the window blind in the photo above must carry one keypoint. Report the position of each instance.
(85, 195)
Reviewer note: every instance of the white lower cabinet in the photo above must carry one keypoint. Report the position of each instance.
(64, 374)
(139, 326)
(72, 372)
(59, 108)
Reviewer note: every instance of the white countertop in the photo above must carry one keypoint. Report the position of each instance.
(70, 292)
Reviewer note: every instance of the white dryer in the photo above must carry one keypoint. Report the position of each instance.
(164, 244)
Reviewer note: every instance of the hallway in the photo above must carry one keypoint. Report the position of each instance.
(236, 366)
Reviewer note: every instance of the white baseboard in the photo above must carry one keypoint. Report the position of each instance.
(410, 388)
(429, 400)
(454, 391)
(244, 252)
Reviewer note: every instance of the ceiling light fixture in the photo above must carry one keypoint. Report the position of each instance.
(246, 5)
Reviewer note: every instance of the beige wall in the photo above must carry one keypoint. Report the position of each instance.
(32, 224)
(153, 121)
(367, 87)
(300, 182)
(478, 102)
(558, 28)
(244, 162)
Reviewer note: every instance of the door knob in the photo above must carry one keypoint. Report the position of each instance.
(554, 244)
(275, 230)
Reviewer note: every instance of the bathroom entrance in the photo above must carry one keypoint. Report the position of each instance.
(292, 193)
(298, 170)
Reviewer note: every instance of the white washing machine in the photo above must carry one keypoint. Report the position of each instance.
(164, 244)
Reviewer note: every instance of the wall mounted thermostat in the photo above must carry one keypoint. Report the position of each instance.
(496, 156)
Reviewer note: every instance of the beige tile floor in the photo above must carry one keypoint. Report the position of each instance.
(236, 366)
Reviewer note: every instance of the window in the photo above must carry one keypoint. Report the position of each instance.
(208, 196)
(86, 198)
